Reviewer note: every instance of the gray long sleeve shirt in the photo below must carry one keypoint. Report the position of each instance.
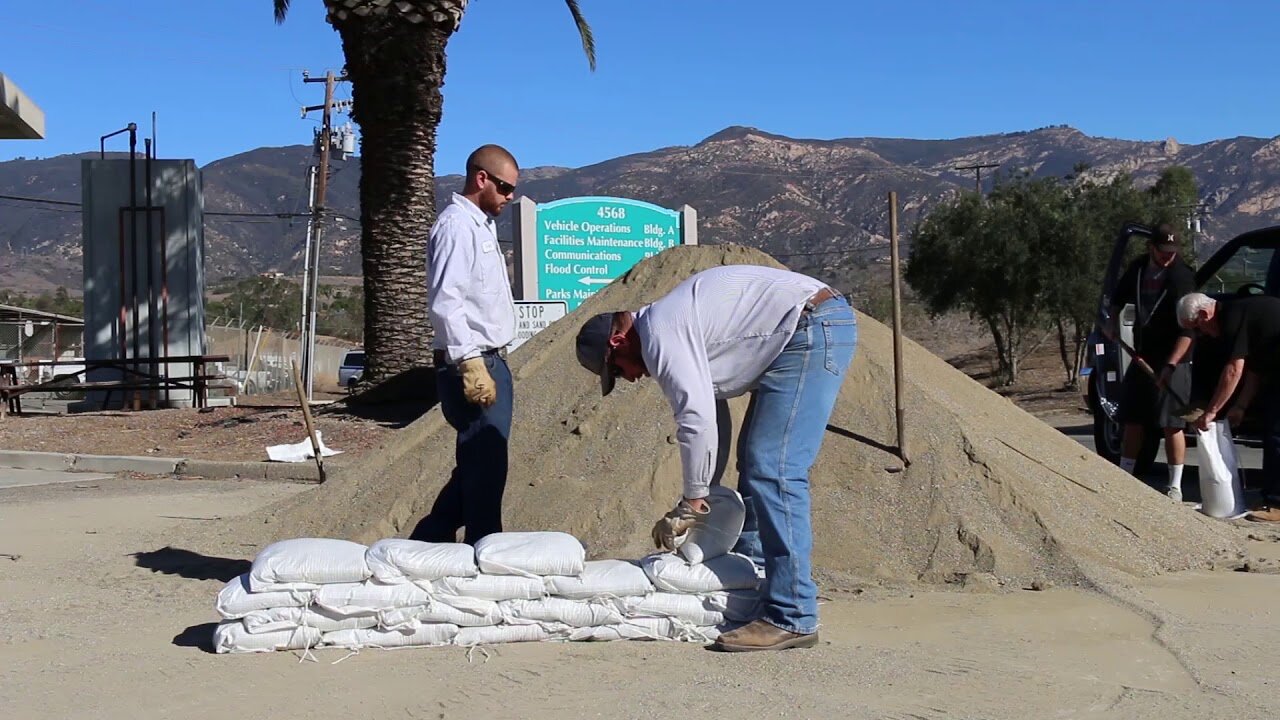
(712, 337)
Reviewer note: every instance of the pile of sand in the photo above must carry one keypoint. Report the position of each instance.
(991, 490)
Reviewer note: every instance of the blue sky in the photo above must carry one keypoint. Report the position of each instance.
(224, 78)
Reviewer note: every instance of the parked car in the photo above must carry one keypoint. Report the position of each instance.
(352, 368)
(1247, 265)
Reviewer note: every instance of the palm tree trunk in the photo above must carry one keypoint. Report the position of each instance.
(396, 71)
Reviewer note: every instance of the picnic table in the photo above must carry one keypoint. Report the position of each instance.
(137, 374)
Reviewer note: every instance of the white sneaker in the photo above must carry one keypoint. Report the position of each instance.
(1173, 493)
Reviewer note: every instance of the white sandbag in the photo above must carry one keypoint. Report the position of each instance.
(420, 636)
(601, 578)
(479, 612)
(231, 636)
(646, 629)
(715, 533)
(288, 618)
(308, 563)
(235, 600)
(728, 572)
(370, 597)
(694, 609)
(394, 560)
(491, 587)
(574, 613)
(737, 606)
(530, 554)
(510, 634)
(1221, 494)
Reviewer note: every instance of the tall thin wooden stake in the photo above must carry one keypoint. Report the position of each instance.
(306, 416)
(897, 328)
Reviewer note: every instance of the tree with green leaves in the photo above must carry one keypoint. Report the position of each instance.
(395, 60)
(967, 254)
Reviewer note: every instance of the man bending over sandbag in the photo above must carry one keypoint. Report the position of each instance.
(785, 338)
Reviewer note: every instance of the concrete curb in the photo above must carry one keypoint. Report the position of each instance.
(211, 469)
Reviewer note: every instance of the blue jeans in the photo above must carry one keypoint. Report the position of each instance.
(781, 433)
(473, 496)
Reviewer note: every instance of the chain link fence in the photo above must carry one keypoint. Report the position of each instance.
(42, 339)
(261, 358)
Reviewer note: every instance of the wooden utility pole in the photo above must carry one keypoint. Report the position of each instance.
(311, 273)
(978, 168)
(895, 268)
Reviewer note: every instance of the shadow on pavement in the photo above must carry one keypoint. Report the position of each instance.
(188, 564)
(197, 636)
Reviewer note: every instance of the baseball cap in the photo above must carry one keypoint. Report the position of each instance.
(1165, 239)
(593, 347)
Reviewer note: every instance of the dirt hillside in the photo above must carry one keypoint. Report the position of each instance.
(991, 494)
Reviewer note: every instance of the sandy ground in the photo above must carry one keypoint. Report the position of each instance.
(107, 610)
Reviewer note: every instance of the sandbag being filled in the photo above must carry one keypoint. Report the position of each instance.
(715, 533)
(1221, 494)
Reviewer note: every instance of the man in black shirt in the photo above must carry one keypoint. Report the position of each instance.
(1250, 329)
(1154, 284)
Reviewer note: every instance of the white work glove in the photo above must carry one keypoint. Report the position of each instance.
(477, 384)
(671, 528)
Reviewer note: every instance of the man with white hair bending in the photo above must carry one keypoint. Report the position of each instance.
(1249, 327)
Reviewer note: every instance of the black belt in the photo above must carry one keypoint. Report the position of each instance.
(438, 358)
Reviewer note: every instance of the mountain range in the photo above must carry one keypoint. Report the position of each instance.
(818, 205)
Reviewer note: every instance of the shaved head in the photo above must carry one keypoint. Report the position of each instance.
(490, 157)
(491, 179)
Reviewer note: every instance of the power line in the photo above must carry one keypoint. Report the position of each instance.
(215, 213)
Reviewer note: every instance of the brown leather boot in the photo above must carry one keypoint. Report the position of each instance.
(760, 635)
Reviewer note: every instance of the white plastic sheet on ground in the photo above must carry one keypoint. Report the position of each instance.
(232, 637)
(602, 578)
(574, 613)
(420, 636)
(235, 600)
(715, 533)
(299, 451)
(530, 554)
(307, 563)
(1221, 494)
(395, 560)
(728, 572)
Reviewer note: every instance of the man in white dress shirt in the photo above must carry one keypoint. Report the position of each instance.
(470, 306)
(783, 337)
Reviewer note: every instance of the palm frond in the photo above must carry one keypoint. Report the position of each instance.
(584, 30)
(282, 9)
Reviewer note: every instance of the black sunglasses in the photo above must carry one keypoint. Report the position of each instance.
(503, 186)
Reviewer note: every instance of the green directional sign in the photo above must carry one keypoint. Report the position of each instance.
(579, 245)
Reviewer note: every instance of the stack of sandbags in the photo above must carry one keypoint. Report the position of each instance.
(512, 587)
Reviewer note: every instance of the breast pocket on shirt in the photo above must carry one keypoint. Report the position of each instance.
(489, 263)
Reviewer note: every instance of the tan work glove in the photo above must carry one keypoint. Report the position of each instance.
(672, 526)
(477, 384)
